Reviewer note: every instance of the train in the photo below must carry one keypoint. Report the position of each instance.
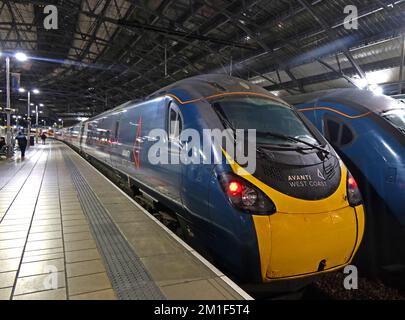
(368, 132)
(296, 215)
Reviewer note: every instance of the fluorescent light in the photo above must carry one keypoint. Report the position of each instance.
(20, 56)
(21, 89)
(31, 104)
(36, 91)
(377, 77)
(41, 104)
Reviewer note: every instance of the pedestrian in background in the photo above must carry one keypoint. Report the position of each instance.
(22, 143)
(2, 142)
(43, 137)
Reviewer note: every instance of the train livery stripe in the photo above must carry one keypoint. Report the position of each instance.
(218, 95)
(336, 111)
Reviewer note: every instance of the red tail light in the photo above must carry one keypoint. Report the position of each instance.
(234, 188)
(245, 196)
(353, 192)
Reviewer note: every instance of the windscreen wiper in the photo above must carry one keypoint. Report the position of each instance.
(225, 121)
(289, 138)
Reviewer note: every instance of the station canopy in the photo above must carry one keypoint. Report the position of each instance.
(105, 52)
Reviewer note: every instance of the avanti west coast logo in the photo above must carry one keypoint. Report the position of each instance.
(306, 180)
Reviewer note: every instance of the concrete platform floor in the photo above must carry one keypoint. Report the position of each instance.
(49, 248)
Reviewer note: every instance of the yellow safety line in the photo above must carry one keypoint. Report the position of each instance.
(338, 112)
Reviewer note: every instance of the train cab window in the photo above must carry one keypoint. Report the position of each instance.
(175, 124)
(347, 135)
(337, 132)
(332, 130)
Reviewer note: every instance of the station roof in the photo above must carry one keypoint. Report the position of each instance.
(106, 52)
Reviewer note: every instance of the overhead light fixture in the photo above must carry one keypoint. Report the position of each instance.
(31, 104)
(36, 91)
(379, 76)
(21, 56)
(41, 104)
(21, 89)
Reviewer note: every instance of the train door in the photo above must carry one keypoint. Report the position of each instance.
(114, 139)
(81, 134)
(196, 177)
(175, 123)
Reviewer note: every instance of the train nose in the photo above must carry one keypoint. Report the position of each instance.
(302, 244)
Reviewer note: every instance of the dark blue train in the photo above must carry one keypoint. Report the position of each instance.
(298, 214)
(368, 132)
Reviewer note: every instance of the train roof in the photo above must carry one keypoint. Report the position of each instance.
(367, 99)
(198, 87)
(211, 84)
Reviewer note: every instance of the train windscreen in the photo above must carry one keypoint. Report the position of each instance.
(274, 122)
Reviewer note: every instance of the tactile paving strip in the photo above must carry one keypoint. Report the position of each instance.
(129, 278)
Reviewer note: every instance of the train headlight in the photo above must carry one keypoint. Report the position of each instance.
(249, 197)
(245, 196)
(353, 192)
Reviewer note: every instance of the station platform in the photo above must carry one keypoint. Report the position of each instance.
(67, 232)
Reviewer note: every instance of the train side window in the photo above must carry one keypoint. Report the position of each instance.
(332, 131)
(175, 124)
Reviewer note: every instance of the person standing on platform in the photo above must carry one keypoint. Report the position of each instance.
(2, 142)
(22, 143)
(43, 137)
